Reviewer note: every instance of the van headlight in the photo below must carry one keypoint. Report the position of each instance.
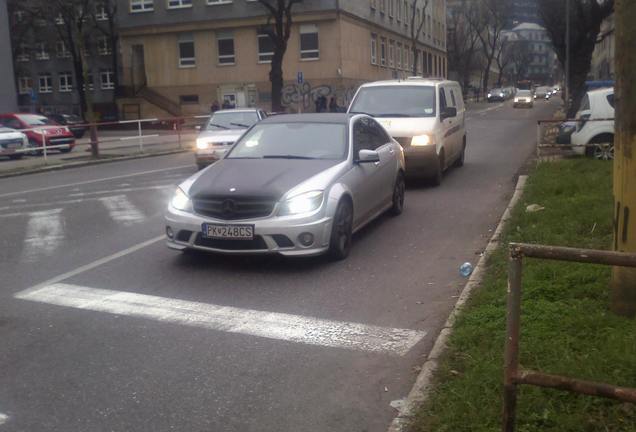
(303, 203)
(202, 143)
(181, 201)
(516, 100)
(421, 140)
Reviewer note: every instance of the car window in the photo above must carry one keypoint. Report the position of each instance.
(36, 120)
(364, 137)
(610, 100)
(585, 103)
(232, 120)
(395, 101)
(292, 141)
(11, 122)
(452, 95)
(442, 99)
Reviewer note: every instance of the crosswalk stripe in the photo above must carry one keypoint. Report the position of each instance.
(271, 325)
(3, 418)
(44, 233)
(122, 210)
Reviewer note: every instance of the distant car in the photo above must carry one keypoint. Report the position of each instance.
(38, 129)
(11, 142)
(523, 98)
(542, 91)
(496, 95)
(427, 118)
(221, 131)
(292, 185)
(74, 123)
(596, 105)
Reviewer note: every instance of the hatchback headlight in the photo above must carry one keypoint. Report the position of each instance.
(181, 201)
(303, 203)
(202, 143)
(421, 140)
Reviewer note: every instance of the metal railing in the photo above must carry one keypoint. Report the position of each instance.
(548, 131)
(513, 374)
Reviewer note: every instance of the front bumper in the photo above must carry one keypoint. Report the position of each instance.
(209, 155)
(420, 161)
(272, 235)
(523, 104)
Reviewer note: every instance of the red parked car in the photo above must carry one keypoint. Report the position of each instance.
(38, 128)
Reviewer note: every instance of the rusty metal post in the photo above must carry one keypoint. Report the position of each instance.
(538, 138)
(511, 357)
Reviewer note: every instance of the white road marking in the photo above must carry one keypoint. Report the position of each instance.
(3, 418)
(123, 190)
(20, 200)
(45, 232)
(271, 325)
(94, 181)
(122, 210)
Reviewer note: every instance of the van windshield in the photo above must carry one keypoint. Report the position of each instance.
(395, 101)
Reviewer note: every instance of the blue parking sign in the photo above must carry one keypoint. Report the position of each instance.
(34, 95)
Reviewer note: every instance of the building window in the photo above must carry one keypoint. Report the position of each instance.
(218, 2)
(103, 46)
(59, 19)
(25, 84)
(45, 83)
(177, 4)
(23, 53)
(61, 51)
(309, 49)
(18, 16)
(189, 99)
(65, 80)
(391, 53)
(106, 79)
(265, 48)
(406, 13)
(41, 53)
(382, 6)
(372, 3)
(142, 5)
(225, 44)
(383, 51)
(399, 56)
(374, 48)
(399, 10)
(100, 14)
(391, 8)
(186, 51)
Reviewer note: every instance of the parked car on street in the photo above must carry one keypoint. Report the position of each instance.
(523, 98)
(221, 131)
(292, 185)
(596, 135)
(11, 142)
(426, 116)
(38, 129)
(74, 123)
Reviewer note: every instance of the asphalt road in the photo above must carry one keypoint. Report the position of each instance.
(102, 328)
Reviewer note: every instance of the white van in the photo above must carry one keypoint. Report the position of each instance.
(426, 116)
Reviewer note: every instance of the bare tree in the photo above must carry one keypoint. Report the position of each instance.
(463, 43)
(586, 17)
(418, 19)
(520, 58)
(278, 28)
(503, 57)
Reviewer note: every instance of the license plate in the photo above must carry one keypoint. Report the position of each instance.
(228, 232)
(12, 145)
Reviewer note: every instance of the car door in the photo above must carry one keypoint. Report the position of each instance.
(446, 125)
(365, 179)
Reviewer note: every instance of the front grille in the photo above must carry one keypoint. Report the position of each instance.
(233, 208)
(11, 143)
(256, 244)
(404, 141)
(59, 141)
(282, 241)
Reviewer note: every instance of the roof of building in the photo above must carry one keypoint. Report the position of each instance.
(527, 26)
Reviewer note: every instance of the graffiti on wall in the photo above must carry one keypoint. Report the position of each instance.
(308, 94)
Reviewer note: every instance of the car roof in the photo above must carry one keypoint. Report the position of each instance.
(602, 91)
(236, 110)
(410, 81)
(340, 118)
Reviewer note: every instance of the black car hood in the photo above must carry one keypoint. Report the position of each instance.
(270, 178)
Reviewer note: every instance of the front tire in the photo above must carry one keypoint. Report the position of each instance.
(438, 174)
(341, 231)
(398, 196)
(460, 160)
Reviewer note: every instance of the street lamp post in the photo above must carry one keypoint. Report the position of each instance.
(567, 55)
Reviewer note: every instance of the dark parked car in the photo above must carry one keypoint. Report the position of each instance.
(75, 123)
(565, 132)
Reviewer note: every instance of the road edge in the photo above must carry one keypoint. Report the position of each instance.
(89, 163)
(424, 382)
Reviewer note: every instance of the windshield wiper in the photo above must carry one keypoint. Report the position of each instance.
(218, 125)
(240, 125)
(392, 115)
(286, 157)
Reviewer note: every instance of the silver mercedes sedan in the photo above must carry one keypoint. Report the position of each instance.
(293, 185)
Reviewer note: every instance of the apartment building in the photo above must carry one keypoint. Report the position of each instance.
(603, 58)
(179, 56)
(8, 101)
(542, 64)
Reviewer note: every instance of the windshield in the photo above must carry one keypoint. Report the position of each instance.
(36, 120)
(496, 91)
(232, 120)
(395, 101)
(293, 141)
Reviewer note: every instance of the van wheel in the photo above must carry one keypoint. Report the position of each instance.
(460, 160)
(341, 231)
(436, 178)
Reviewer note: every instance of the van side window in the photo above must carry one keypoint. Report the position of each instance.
(585, 104)
(442, 99)
(452, 93)
(610, 99)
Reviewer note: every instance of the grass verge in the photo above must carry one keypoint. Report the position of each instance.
(566, 326)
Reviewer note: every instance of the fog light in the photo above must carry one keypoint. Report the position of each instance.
(306, 239)
(169, 232)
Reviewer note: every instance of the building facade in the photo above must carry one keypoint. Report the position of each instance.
(180, 56)
(524, 11)
(8, 101)
(44, 74)
(542, 58)
(604, 53)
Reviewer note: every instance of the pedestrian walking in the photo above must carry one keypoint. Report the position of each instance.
(215, 106)
(333, 105)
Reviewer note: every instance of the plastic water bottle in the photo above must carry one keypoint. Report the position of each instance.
(466, 269)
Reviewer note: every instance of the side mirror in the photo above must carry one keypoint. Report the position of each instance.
(449, 112)
(368, 156)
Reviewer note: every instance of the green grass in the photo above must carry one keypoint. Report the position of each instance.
(566, 325)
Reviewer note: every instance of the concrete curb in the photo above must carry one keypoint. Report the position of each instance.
(90, 162)
(424, 382)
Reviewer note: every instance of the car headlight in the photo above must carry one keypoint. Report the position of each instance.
(489, 95)
(181, 201)
(202, 143)
(501, 95)
(303, 203)
(421, 140)
(516, 100)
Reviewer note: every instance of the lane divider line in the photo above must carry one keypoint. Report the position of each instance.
(270, 325)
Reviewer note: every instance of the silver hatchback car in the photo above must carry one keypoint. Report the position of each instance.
(293, 185)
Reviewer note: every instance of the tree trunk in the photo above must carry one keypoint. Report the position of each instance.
(623, 284)
(276, 78)
(486, 79)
